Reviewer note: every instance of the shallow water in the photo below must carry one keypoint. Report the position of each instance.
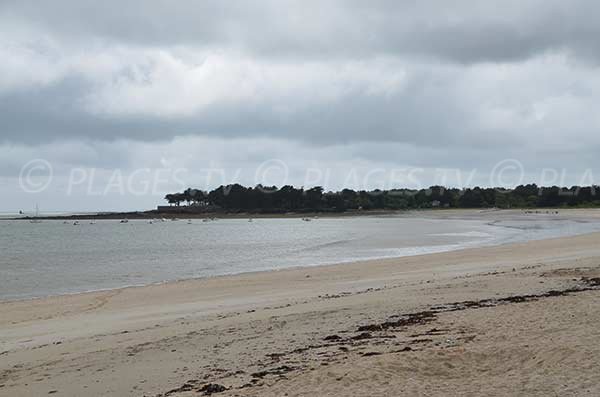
(52, 258)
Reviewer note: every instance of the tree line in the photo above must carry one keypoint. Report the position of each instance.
(270, 199)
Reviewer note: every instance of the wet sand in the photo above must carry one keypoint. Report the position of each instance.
(519, 319)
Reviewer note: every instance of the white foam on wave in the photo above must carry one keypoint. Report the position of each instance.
(475, 234)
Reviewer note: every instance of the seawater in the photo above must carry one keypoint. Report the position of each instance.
(53, 258)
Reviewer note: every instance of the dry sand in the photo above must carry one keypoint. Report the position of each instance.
(426, 325)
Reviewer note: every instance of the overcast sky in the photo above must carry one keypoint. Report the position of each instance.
(128, 100)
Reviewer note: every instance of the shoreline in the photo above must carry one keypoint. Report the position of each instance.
(255, 272)
(325, 268)
(335, 264)
(464, 214)
(154, 214)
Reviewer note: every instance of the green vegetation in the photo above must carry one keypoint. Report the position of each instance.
(261, 199)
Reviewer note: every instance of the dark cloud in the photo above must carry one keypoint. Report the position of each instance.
(421, 114)
(460, 31)
(460, 83)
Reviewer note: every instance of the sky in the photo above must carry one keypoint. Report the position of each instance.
(108, 105)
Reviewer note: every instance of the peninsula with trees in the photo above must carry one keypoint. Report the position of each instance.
(236, 198)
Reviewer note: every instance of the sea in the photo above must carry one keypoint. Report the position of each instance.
(55, 257)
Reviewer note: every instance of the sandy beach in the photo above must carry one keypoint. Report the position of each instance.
(299, 199)
(519, 319)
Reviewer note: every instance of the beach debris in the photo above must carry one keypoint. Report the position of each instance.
(335, 296)
(431, 332)
(404, 349)
(362, 336)
(370, 327)
(273, 371)
(405, 320)
(369, 354)
(592, 282)
(192, 385)
(212, 388)
(371, 335)
(187, 386)
(275, 356)
(246, 385)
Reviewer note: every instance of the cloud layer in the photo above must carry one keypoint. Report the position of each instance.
(468, 81)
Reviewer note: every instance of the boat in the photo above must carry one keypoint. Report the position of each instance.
(189, 222)
(76, 223)
(92, 222)
(163, 219)
(124, 221)
(306, 219)
(150, 222)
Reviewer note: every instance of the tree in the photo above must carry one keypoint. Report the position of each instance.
(174, 198)
(314, 198)
(236, 197)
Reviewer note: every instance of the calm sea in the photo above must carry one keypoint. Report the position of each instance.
(52, 257)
